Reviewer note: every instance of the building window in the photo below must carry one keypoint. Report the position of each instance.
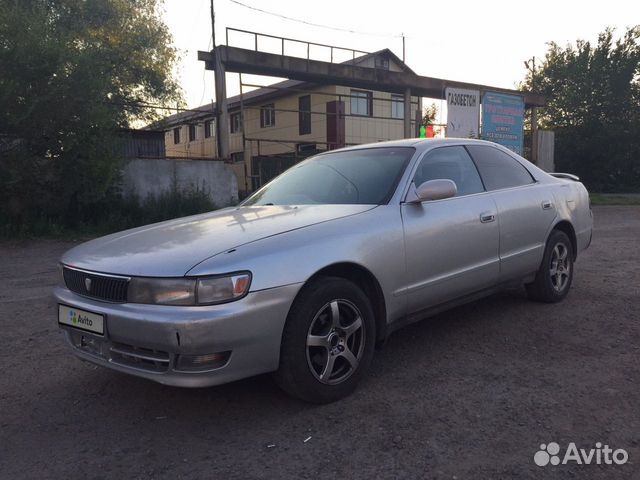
(192, 133)
(361, 103)
(208, 128)
(267, 115)
(304, 115)
(307, 148)
(176, 135)
(397, 106)
(382, 63)
(236, 122)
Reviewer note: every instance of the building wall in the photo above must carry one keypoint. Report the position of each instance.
(281, 137)
(286, 128)
(284, 135)
(370, 62)
(362, 129)
(199, 148)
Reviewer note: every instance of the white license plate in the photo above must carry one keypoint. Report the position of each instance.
(74, 317)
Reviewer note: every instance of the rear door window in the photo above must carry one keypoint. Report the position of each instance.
(498, 169)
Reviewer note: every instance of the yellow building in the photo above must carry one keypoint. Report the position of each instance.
(271, 128)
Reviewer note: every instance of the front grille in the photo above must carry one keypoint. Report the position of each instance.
(139, 357)
(102, 287)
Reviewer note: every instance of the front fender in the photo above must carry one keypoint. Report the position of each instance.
(373, 239)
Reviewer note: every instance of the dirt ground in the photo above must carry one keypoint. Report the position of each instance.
(471, 393)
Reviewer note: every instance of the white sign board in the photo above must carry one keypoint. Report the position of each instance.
(463, 112)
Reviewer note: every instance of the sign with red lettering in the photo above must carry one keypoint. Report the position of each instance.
(503, 120)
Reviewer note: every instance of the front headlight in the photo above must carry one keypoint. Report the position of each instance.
(189, 291)
(163, 291)
(222, 289)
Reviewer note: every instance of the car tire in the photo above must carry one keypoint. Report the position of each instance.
(328, 341)
(554, 277)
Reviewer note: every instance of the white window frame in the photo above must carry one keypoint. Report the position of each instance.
(268, 115)
(360, 99)
(397, 106)
(208, 127)
(235, 122)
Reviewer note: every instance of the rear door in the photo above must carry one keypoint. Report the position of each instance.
(452, 244)
(526, 210)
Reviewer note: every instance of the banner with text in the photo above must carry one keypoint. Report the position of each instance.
(463, 113)
(503, 120)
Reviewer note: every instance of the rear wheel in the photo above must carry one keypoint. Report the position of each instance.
(328, 341)
(554, 277)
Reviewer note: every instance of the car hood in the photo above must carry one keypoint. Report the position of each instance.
(173, 247)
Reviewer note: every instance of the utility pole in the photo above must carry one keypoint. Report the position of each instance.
(534, 114)
(221, 113)
(403, 50)
(215, 110)
(213, 25)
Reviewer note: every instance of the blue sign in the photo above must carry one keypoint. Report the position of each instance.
(503, 120)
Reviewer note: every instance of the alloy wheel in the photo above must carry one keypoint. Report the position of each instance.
(560, 268)
(335, 342)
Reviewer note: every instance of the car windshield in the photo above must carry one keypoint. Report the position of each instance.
(364, 176)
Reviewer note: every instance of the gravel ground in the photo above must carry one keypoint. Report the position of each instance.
(471, 393)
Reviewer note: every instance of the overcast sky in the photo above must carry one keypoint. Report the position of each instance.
(482, 42)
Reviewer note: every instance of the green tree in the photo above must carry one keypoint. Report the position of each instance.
(593, 95)
(72, 73)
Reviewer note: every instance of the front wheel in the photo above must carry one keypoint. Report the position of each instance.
(328, 341)
(554, 277)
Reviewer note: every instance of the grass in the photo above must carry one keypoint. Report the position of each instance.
(615, 199)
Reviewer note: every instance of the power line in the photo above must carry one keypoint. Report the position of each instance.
(154, 106)
(299, 20)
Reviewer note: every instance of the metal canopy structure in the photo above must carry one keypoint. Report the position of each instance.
(239, 60)
(226, 58)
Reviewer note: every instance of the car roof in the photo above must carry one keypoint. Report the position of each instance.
(420, 144)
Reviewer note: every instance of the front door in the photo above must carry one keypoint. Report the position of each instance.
(452, 244)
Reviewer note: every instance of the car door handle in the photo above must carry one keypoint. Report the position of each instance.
(487, 217)
(546, 205)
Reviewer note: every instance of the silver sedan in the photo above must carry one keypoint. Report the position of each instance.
(310, 273)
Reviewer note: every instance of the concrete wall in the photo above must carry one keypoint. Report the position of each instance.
(152, 177)
(546, 146)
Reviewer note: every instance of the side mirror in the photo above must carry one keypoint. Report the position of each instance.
(433, 190)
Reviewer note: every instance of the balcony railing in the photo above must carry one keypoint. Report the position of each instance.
(291, 46)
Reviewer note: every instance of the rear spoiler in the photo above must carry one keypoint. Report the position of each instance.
(566, 176)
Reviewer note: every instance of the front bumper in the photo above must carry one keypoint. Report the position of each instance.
(145, 340)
